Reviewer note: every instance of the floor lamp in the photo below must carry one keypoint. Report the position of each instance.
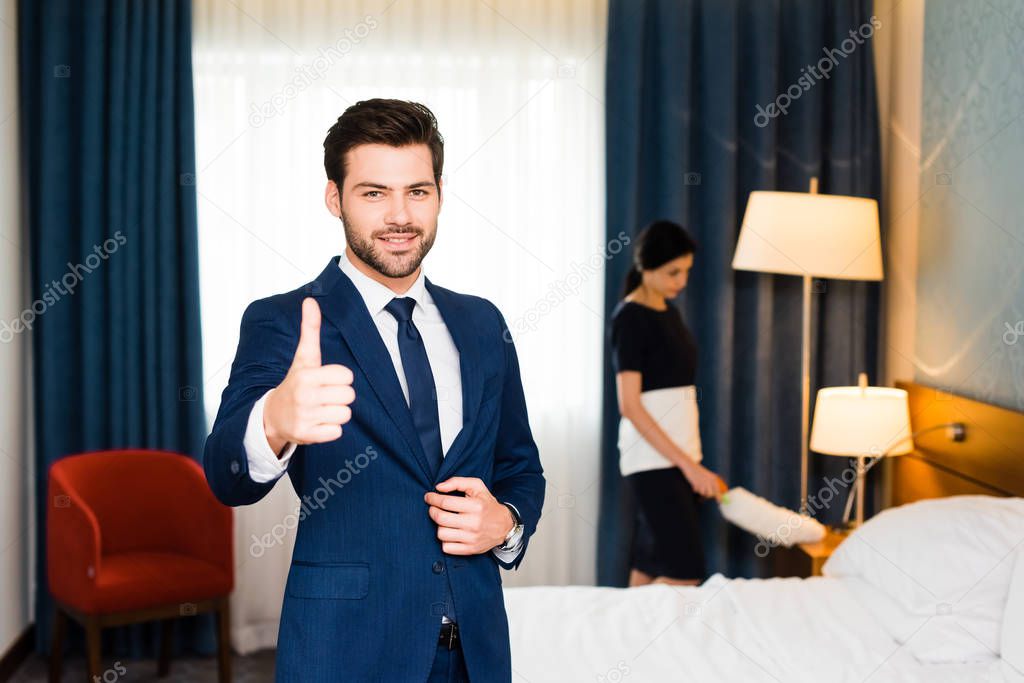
(813, 236)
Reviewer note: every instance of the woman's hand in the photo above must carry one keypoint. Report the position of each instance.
(704, 481)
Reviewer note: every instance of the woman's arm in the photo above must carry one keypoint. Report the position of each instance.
(628, 384)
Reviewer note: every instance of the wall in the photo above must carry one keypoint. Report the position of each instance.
(16, 527)
(951, 95)
(899, 46)
(969, 323)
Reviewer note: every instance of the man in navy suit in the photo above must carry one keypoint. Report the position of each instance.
(396, 408)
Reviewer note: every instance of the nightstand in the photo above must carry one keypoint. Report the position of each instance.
(806, 559)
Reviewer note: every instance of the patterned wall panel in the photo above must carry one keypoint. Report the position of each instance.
(970, 286)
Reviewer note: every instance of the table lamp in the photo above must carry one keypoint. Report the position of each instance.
(814, 236)
(861, 422)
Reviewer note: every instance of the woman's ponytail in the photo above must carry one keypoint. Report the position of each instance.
(632, 281)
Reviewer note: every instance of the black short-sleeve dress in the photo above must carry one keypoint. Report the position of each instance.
(660, 346)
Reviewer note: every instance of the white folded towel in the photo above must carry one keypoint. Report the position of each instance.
(773, 524)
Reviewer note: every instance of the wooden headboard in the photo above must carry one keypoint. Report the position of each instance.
(990, 460)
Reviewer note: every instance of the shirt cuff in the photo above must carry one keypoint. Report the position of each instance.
(508, 555)
(264, 465)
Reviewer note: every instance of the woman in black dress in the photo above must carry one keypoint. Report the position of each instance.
(654, 355)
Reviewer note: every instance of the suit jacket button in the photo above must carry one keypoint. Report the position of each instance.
(235, 467)
(438, 566)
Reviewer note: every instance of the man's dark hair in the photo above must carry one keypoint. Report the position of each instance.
(385, 122)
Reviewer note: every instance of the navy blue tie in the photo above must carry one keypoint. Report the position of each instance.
(419, 379)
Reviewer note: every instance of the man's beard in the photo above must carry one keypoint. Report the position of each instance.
(389, 265)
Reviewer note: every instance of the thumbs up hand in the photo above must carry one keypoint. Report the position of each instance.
(312, 401)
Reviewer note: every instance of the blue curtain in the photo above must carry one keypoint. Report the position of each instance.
(686, 141)
(108, 148)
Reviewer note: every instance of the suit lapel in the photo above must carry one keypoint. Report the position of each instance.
(459, 324)
(341, 304)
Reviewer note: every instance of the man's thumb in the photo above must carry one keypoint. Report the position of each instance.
(307, 353)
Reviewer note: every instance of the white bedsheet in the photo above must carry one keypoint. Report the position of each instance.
(787, 630)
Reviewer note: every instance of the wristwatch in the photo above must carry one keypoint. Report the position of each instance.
(512, 537)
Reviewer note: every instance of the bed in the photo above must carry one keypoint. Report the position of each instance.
(930, 589)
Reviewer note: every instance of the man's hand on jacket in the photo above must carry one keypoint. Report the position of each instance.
(470, 524)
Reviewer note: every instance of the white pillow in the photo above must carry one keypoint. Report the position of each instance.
(1013, 618)
(947, 564)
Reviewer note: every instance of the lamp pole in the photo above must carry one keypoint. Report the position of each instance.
(805, 378)
(956, 431)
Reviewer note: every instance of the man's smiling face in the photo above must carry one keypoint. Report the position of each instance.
(389, 205)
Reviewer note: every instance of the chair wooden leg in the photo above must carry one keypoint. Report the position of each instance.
(60, 627)
(93, 644)
(166, 645)
(224, 642)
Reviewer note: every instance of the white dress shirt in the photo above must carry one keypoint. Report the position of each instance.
(443, 355)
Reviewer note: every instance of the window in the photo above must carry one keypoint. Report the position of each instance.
(517, 88)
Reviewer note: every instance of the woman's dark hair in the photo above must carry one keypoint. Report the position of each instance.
(384, 122)
(656, 245)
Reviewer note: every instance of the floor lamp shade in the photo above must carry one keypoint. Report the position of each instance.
(820, 235)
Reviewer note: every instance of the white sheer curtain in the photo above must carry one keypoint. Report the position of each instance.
(517, 87)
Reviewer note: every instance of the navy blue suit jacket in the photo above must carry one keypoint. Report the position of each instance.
(366, 587)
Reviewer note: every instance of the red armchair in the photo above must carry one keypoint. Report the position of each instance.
(131, 536)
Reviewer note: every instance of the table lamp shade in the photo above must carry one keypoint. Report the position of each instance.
(821, 235)
(861, 422)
